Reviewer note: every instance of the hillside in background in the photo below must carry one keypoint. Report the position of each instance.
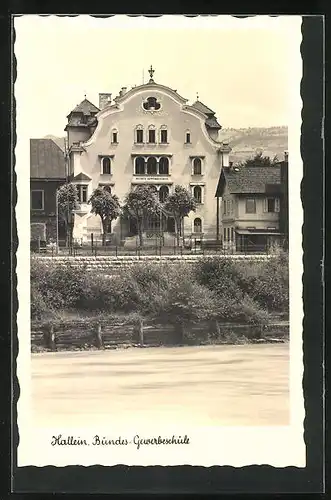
(245, 142)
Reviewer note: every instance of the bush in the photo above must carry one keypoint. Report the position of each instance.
(221, 275)
(38, 231)
(268, 283)
(60, 286)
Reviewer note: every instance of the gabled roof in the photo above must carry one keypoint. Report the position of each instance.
(81, 177)
(249, 180)
(46, 160)
(85, 107)
(203, 108)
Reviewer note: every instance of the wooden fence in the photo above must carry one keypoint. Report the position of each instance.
(102, 334)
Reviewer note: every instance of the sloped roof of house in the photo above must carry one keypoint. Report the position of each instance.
(83, 115)
(203, 108)
(213, 123)
(81, 177)
(249, 180)
(46, 160)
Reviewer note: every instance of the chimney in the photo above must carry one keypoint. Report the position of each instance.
(104, 100)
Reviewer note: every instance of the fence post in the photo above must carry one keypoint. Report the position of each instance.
(141, 331)
(49, 338)
(98, 336)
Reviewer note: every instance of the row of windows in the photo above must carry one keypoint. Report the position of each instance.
(270, 205)
(151, 165)
(142, 136)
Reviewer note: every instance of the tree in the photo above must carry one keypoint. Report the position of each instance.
(139, 204)
(259, 161)
(178, 205)
(67, 200)
(107, 206)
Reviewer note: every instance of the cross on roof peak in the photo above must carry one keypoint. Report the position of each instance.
(151, 72)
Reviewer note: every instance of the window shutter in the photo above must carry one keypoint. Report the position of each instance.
(265, 205)
(277, 205)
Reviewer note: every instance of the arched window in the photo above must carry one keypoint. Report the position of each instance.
(164, 166)
(163, 193)
(197, 194)
(197, 225)
(114, 136)
(151, 166)
(139, 134)
(164, 135)
(106, 166)
(187, 137)
(151, 134)
(140, 165)
(197, 166)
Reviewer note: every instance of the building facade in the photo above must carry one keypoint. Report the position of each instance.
(148, 135)
(254, 207)
(47, 174)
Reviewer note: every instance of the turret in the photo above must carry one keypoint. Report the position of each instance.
(81, 122)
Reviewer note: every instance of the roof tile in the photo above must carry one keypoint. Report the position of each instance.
(252, 179)
(46, 160)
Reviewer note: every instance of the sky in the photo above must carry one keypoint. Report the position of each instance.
(241, 68)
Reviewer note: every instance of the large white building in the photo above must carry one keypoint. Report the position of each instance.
(146, 135)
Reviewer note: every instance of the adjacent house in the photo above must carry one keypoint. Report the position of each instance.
(47, 173)
(254, 207)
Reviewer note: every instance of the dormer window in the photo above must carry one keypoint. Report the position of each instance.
(151, 134)
(106, 166)
(151, 104)
(139, 134)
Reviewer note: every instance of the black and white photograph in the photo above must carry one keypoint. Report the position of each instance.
(160, 225)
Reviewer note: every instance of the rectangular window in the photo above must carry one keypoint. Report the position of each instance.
(114, 141)
(232, 234)
(82, 193)
(250, 206)
(188, 138)
(140, 136)
(151, 136)
(224, 207)
(37, 199)
(164, 136)
(224, 234)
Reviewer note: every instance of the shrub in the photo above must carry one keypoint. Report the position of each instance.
(221, 275)
(268, 283)
(38, 231)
